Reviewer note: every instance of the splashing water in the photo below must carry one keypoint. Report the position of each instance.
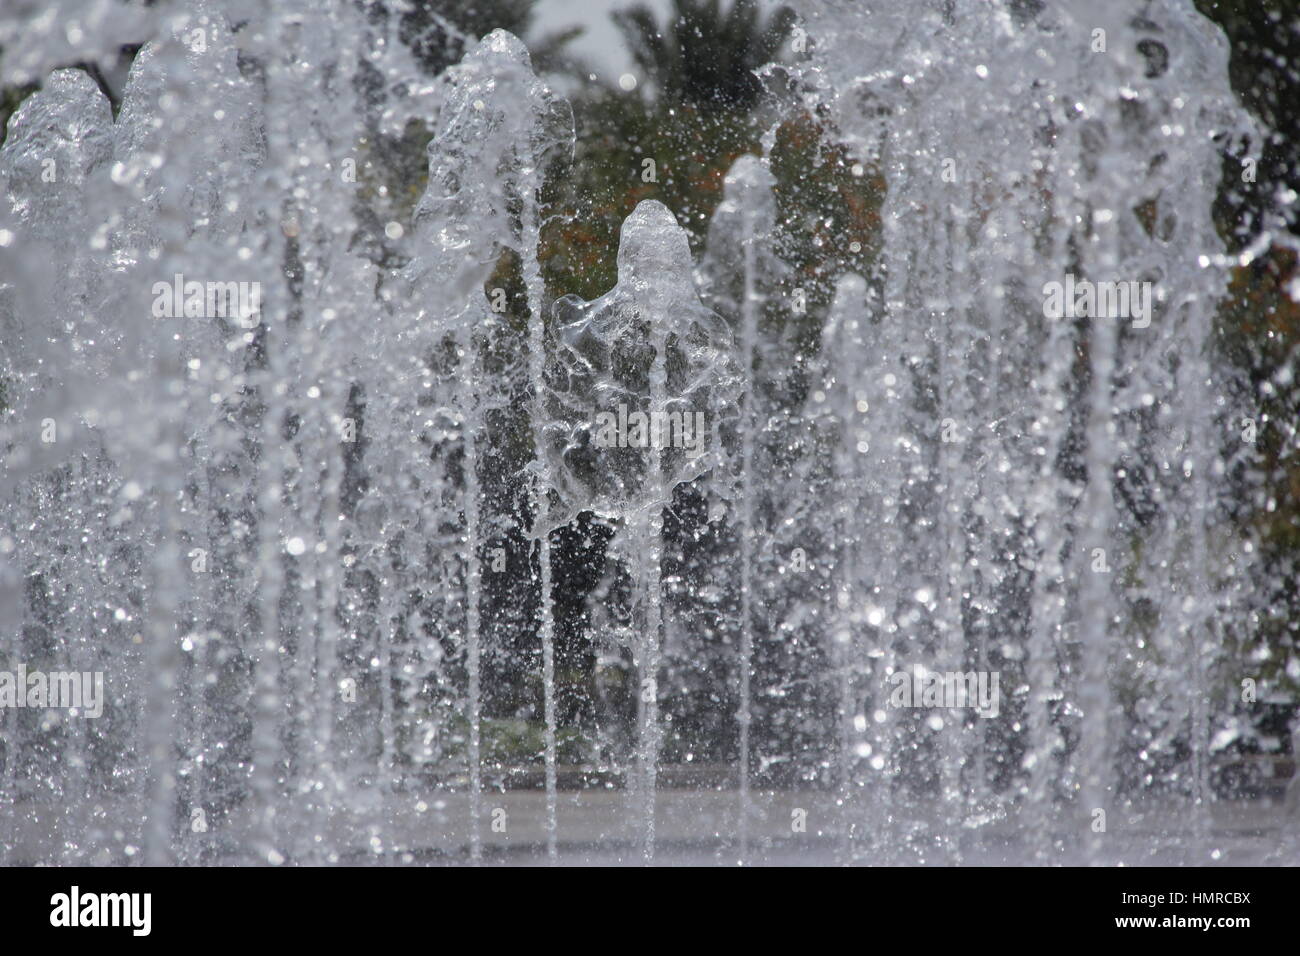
(1018, 156)
(273, 439)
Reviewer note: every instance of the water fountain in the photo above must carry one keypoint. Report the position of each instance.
(268, 436)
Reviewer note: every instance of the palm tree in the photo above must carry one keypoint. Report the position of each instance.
(705, 56)
(440, 31)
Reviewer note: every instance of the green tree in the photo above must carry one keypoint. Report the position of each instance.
(1259, 325)
(705, 56)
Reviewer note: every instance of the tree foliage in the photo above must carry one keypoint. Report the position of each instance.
(706, 56)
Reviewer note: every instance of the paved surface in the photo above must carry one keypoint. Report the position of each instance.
(691, 827)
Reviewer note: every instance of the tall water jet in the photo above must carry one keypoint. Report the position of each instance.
(739, 275)
(641, 396)
(499, 127)
(182, 216)
(839, 400)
